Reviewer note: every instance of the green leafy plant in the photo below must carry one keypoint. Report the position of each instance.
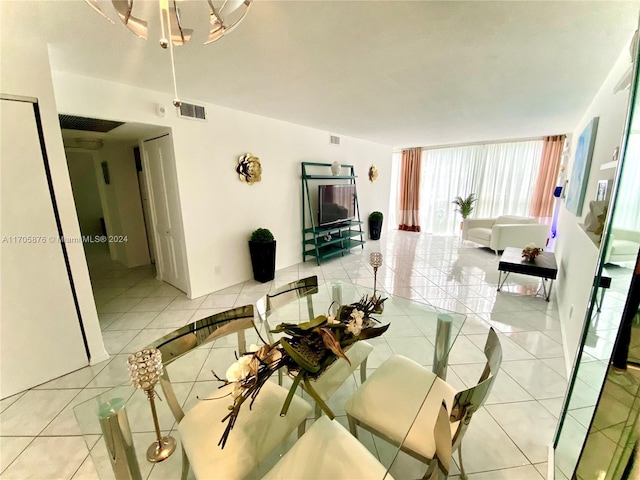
(465, 205)
(262, 235)
(376, 216)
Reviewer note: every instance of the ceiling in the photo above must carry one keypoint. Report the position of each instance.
(393, 72)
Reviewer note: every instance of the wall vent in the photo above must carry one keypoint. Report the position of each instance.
(333, 140)
(71, 122)
(192, 111)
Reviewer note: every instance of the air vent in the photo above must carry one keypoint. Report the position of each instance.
(333, 140)
(192, 111)
(71, 122)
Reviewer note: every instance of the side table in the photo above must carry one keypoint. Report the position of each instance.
(543, 266)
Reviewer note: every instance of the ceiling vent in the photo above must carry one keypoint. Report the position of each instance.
(333, 140)
(192, 111)
(71, 122)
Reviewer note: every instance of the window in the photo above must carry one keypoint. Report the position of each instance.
(502, 175)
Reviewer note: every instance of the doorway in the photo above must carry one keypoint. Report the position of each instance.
(168, 233)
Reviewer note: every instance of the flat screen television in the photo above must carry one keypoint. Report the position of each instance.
(336, 204)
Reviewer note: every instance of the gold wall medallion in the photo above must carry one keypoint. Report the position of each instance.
(249, 168)
(373, 173)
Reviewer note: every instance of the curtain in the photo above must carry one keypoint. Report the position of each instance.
(510, 173)
(447, 173)
(410, 190)
(543, 199)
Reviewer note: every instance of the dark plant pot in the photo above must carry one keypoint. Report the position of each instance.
(375, 228)
(263, 260)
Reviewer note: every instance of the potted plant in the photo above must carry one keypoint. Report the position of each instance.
(375, 225)
(465, 206)
(262, 247)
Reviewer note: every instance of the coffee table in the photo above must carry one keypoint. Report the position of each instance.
(543, 266)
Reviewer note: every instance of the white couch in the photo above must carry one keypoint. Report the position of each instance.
(623, 246)
(505, 231)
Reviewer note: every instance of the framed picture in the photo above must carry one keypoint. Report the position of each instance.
(602, 190)
(581, 168)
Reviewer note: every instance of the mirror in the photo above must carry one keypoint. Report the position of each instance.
(596, 432)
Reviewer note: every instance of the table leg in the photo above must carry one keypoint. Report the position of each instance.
(599, 305)
(544, 289)
(550, 287)
(441, 350)
(501, 283)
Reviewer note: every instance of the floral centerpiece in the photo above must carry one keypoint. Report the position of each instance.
(531, 251)
(306, 351)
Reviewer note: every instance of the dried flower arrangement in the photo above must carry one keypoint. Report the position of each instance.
(530, 252)
(307, 351)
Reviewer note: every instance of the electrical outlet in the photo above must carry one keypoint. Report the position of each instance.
(217, 269)
(570, 311)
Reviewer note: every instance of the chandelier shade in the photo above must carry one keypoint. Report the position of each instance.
(223, 19)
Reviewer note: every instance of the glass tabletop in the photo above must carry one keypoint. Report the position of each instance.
(413, 333)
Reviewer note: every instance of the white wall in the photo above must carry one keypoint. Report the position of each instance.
(219, 211)
(35, 81)
(122, 199)
(85, 191)
(578, 255)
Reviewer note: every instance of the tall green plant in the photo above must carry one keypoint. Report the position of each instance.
(465, 205)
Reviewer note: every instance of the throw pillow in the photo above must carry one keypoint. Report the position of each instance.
(591, 221)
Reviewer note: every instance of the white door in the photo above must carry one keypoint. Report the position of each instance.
(40, 334)
(162, 188)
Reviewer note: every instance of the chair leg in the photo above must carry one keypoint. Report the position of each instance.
(280, 376)
(353, 425)
(185, 465)
(429, 473)
(363, 371)
(463, 474)
(302, 428)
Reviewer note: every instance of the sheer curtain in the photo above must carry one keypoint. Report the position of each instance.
(510, 174)
(502, 175)
(447, 173)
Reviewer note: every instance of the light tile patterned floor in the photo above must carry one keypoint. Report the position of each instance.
(506, 440)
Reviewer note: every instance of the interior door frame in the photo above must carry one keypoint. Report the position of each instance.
(54, 205)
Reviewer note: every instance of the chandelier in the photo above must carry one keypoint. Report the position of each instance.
(222, 19)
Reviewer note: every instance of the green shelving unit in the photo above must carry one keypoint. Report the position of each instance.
(329, 241)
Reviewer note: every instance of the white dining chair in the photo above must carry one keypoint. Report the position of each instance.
(327, 451)
(258, 429)
(402, 396)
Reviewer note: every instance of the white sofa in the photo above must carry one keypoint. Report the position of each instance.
(505, 231)
(623, 246)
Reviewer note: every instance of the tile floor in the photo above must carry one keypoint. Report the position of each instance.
(507, 439)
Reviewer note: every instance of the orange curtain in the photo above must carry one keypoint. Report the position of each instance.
(410, 189)
(542, 200)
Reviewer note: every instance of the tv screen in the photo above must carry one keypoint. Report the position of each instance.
(336, 204)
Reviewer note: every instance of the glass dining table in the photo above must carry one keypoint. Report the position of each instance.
(417, 330)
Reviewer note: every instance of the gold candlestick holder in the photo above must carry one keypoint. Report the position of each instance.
(375, 260)
(145, 369)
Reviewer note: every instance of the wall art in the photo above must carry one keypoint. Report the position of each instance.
(249, 169)
(581, 168)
